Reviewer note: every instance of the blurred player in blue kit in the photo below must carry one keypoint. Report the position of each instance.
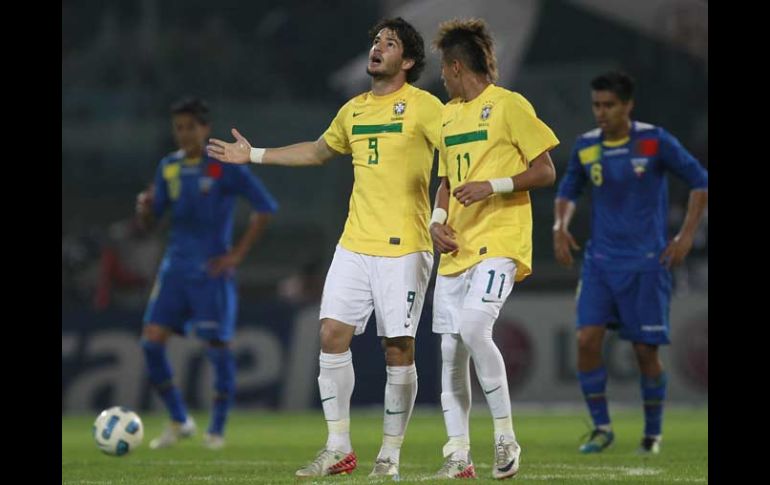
(625, 281)
(195, 289)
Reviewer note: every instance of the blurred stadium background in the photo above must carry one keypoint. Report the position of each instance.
(279, 70)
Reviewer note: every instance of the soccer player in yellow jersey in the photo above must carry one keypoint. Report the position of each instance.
(384, 258)
(493, 151)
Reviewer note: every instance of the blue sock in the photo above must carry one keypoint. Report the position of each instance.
(160, 377)
(653, 395)
(223, 361)
(593, 384)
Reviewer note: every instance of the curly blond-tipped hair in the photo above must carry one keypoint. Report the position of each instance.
(470, 42)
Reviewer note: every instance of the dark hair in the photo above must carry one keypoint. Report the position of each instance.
(617, 82)
(192, 106)
(414, 45)
(469, 41)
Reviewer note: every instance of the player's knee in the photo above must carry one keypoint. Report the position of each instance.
(589, 343)
(646, 354)
(155, 333)
(224, 387)
(475, 338)
(398, 350)
(398, 344)
(326, 333)
(224, 395)
(335, 339)
(217, 344)
(468, 337)
(476, 330)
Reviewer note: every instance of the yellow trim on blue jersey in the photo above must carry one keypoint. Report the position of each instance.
(615, 143)
(590, 154)
(171, 171)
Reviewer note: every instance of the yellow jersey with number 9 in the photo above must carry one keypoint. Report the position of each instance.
(494, 135)
(392, 139)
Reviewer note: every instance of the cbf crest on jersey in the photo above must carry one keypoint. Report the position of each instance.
(486, 111)
(640, 165)
(399, 107)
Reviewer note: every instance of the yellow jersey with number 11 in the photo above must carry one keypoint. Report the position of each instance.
(494, 135)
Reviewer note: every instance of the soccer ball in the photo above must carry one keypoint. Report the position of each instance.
(118, 430)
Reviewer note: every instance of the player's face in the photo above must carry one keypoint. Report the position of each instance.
(611, 114)
(386, 55)
(189, 133)
(450, 77)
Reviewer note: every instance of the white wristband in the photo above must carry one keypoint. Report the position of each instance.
(439, 216)
(502, 186)
(256, 155)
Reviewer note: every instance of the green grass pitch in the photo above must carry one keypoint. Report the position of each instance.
(267, 447)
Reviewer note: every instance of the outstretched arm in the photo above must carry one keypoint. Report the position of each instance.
(240, 151)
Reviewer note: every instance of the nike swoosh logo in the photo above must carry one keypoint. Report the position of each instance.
(388, 411)
(407, 325)
(493, 390)
(488, 301)
(322, 400)
(356, 114)
(507, 467)
(446, 410)
(447, 122)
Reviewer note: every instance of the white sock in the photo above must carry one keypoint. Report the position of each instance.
(400, 393)
(335, 383)
(455, 392)
(457, 446)
(476, 332)
(504, 430)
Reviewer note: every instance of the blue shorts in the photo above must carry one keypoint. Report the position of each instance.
(187, 301)
(634, 303)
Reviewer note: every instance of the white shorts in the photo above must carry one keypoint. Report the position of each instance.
(394, 287)
(484, 287)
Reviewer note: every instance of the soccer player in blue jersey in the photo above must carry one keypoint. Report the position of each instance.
(195, 288)
(625, 282)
